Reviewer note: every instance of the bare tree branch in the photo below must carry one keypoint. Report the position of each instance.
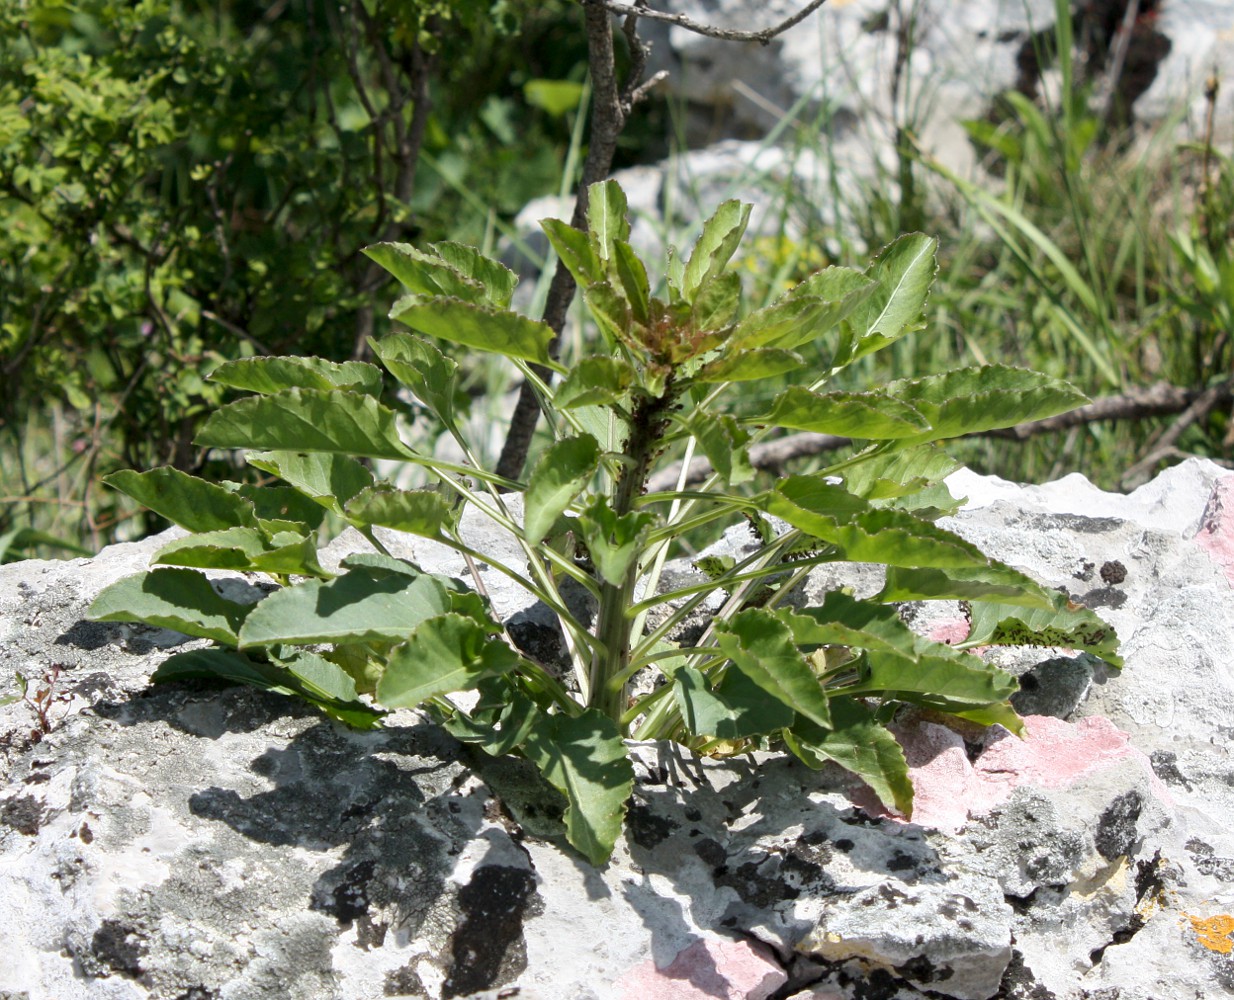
(1200, 406)
(762, 36)
(609, 109)
(1153, 401)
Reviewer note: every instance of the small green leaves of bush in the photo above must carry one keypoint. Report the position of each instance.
(819, 680)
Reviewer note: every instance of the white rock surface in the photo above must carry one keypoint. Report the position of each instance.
(210, 843)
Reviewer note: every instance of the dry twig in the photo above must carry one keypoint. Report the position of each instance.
(762, 36)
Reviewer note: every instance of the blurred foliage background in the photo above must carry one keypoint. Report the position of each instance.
(188, 181)
(185, 181)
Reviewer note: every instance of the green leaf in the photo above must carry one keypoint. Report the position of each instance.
(561, 474)
(971, 400)
(997, 583)
(192, 503)
(425, 274)
(860, 745)
(809, 503)
(319, 677)
(735, 709)
(762, 648)
(717, 303)
(479, 327)
(594, 381)
(724, 443)
(307, 676)
(497, 280)
(178, 599)
(247, 549)
(614, 542)
(954, 679)
(1069, 626)
(444, 654)
(904, 272)
(674, 272)
(423, 369)
(880, 475)
(844, 620)
(575, 250)
(715, 247)
(584, 758)
(417, 512)
(1001, 714)
(787, 323)
(362, 605)
(307, 420)
(866, 415)
(557, 97)
(218, 664)
(888, 536)
(501, 720)
(326, 479)
(606, 217)
(612, 314)
(283, 503)
(750, 365)
(632, 277)
(837, 284)
(271, 375)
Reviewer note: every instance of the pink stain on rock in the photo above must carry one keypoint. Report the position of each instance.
(949, 789)
(1216, 534)
(709, 969)
(951, 632)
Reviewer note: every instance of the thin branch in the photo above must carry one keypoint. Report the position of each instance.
(762, 36)
(1199, 408)
(608, 117)
(1156, 400)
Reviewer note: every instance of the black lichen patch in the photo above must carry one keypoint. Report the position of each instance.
(1208, 863)
(774, 877)
(119, 948)
(1102, 597)
(404, 982)
(1165, 767)
(647, 829)
(1116, 830)
(712, 853)
(349, 899)
(1113, 572)
(878, 985)
(1019, 982)
(198, 993)
(921, 970)
(487, 948)
(24, 813)
(758, 884)
(1074, 522)
(350, 902)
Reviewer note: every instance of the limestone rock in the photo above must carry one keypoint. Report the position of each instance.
(194, 841)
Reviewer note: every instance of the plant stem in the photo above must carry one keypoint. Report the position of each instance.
(608, 685)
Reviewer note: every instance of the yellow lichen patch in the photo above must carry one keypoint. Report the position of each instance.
(1214, 932)
(1112, 879)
